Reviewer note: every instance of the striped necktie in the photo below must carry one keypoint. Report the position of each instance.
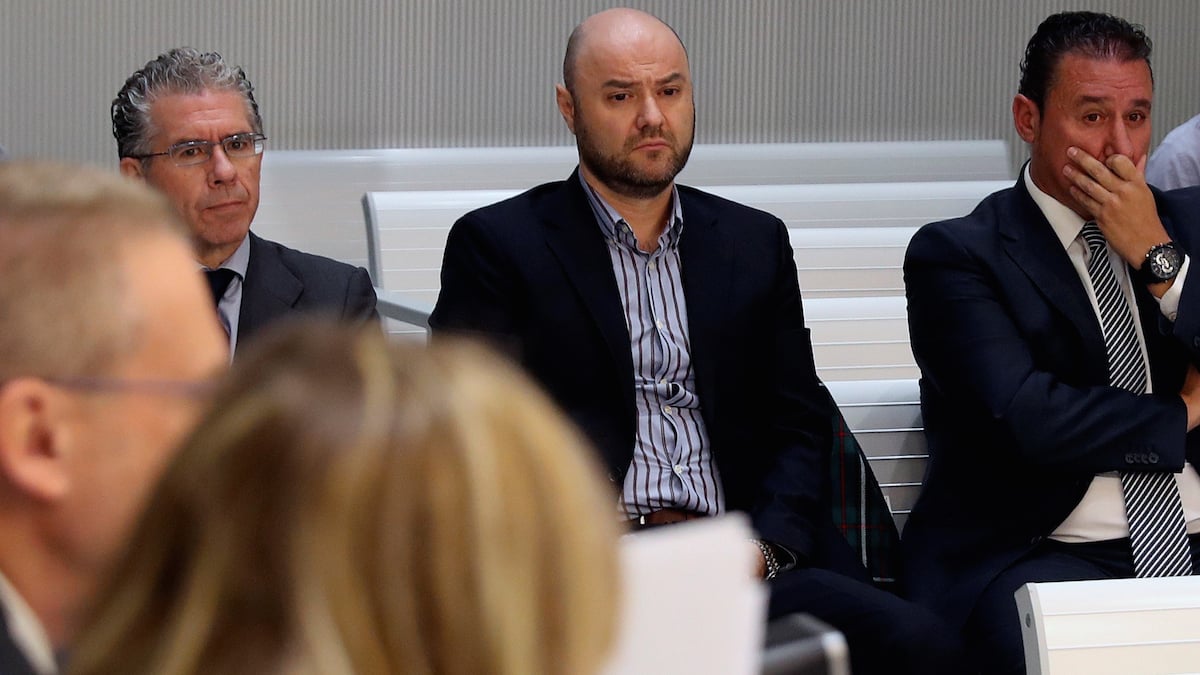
(1157, 531)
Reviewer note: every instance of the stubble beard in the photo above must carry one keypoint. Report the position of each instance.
(620, 174)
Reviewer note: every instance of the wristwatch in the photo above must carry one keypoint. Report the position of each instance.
(1162, 264)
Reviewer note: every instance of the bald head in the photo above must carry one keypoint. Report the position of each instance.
(612, 29)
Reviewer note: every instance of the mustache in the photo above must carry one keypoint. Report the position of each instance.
(650, 134)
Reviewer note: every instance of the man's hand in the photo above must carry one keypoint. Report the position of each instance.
(1190, 393)
(760, 561)
(1116, 194)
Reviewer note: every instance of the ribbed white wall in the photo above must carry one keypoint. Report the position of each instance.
(407, 73)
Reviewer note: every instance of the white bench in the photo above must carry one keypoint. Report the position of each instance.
(310, 198)
(1111, 626)
(849, 240)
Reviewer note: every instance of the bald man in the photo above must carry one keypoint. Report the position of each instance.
(108, 344)
(667, 322)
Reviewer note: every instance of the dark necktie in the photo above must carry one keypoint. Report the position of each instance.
(1157, 530)
(218, 281)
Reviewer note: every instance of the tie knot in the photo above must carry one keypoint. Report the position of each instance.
(218, 281)
(1093, 237)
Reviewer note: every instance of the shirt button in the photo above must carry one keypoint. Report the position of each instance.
(668, 409)
(651, 266)
(678, 470)
(658, 324)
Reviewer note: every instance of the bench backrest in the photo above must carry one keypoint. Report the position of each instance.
(885, 416)
(310, 198)
(849, 240)
(1111, 626)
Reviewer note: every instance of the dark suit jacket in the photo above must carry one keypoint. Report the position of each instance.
(282, 282)
(1014, 391)
(533, 273)
(12, 659)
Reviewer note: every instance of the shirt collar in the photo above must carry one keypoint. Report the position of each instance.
(609, 219)
(1066, 223)
(26, 630)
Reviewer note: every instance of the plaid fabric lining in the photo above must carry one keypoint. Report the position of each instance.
(857, 505)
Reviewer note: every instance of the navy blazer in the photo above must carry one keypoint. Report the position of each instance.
(1014, 390)
(533, 274)
(282, 282)
(12, 660)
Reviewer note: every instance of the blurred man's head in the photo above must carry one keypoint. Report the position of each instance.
(187, 123)
(108, 343)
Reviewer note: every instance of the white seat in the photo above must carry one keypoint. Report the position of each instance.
(1140, 626)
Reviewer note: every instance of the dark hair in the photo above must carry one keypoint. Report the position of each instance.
(1089, 34)
(182, 70)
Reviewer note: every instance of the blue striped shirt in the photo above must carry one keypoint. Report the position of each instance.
(672, 463)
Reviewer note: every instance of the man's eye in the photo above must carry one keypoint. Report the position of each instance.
(189, 151)
(236, 145)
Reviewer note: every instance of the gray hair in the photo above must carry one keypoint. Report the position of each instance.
(182, 70)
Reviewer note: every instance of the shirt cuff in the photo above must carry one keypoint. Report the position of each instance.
(1168, 304)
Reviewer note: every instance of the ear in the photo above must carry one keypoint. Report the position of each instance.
(566, 105)
(1026, 118)
(132, 168)
(33, 437)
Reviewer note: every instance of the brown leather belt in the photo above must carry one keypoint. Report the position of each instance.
(662, 517)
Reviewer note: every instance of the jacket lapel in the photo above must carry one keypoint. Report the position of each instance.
(1030, 242)
(577, 243)
(269, 290)
(706, 256)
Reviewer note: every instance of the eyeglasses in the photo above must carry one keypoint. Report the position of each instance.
(191, 153)
(190, 389)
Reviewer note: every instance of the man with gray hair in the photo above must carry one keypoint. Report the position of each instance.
(187, 124)
(107, 350)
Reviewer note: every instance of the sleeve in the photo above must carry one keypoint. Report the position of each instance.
(789, 507)
(974, 354)
(1171, 167)
(478, 290)
(360, 304)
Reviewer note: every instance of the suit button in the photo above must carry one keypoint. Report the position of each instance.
(1153, 457)
(1129, 458)
(1196, 342)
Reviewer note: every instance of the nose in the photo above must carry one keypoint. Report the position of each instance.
(650, 115)
(1119, 140)
(220, 169)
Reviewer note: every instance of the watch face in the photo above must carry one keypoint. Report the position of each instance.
(1164, 261)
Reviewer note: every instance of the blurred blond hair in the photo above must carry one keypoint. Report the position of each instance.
(355, 506)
